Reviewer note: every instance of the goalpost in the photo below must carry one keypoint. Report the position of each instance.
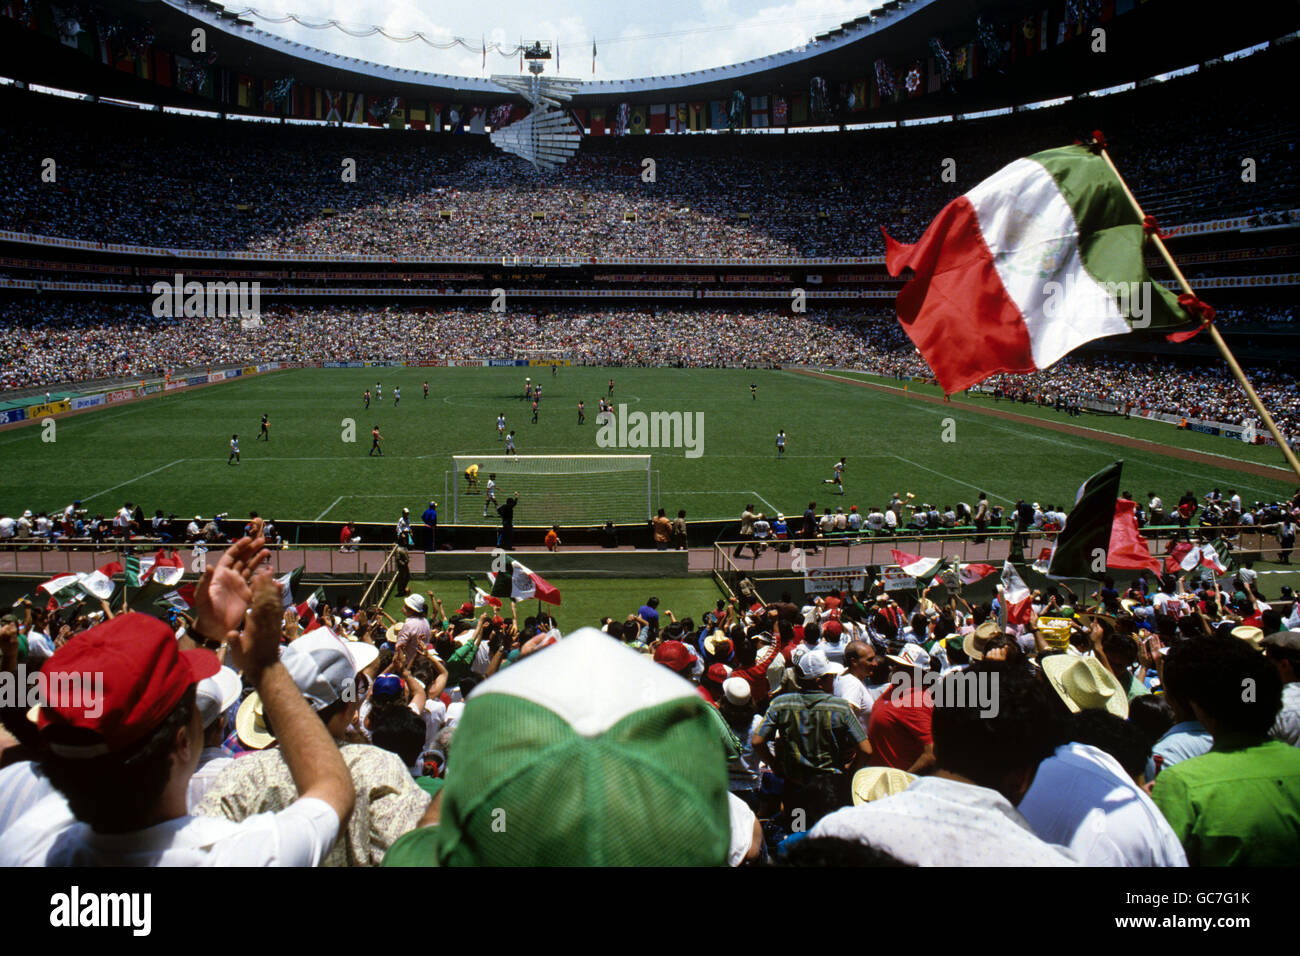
(556, 489)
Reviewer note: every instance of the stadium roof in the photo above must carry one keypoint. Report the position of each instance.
(1155, 37)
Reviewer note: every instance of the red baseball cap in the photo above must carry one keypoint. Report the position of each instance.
(832, 628)
(130, 676)
(674, 655)
(717, 673)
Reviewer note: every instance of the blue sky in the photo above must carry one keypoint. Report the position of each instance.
(633, 39)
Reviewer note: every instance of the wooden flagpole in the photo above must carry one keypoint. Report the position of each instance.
(1215, 336)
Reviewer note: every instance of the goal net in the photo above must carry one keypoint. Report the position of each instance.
(555, 489)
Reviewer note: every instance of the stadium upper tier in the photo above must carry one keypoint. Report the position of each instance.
(129, 176)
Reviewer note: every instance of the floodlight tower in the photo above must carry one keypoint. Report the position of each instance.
(546, 137)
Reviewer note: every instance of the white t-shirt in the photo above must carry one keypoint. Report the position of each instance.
(855, 692)
(434, 716)
(48, 835)
(21, 788)
(1083, 799)
(1169, 604)
(742, 830)
(454, 710)
(39, 649)
(940, 822)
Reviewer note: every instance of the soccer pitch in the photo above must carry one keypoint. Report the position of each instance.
(171, 452)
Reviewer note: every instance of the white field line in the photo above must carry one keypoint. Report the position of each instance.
(330, 508)
(131, 481)
(748, 491)
(952, 479)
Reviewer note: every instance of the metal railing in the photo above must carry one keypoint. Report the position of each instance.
(383, 579)
(847, 549)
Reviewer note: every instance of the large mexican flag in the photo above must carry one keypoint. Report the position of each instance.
(1042, 256)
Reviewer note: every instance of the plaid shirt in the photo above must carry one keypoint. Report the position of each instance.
(814, 733)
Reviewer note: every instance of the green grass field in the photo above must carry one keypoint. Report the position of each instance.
(171, 452)
(584, 601)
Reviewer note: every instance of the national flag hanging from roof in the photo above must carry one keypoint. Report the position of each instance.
(521, 584)
(1044, 255)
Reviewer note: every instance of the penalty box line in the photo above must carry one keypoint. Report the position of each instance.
(321, 516)
(129, 481)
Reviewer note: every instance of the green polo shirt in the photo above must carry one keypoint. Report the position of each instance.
(416, 848)
(1238, 805)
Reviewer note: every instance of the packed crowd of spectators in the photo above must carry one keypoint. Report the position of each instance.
(872, 728)
(1206, 392)
(54, 341)
(57, 340)
(125, 176)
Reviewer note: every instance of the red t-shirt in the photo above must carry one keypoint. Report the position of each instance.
(899, 728)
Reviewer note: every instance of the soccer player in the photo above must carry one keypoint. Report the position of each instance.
(537, 392)
(528, 389)
(234, 450)
(379, 392)
(501, 427)
(510, 444)
(611, 388)
(397, 395)
(365, 397)
(491, 496)
(266, 430)
(582, 411)
(555, 370)
(376, 441)
(471, 478)
(534, 411)
(838, 478)
(426, 389)
(753, 391)
(780, 444)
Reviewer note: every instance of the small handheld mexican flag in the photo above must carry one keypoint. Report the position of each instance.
(521, 584)
(1044, 255)
(131, 567)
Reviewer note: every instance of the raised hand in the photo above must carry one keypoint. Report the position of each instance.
(222, 595)
(259, 641)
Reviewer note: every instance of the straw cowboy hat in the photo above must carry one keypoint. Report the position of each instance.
(1084, 683)
(872, 783)
(974, 643)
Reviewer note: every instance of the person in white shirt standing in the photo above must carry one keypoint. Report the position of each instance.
(852, 685)
(125, 764)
